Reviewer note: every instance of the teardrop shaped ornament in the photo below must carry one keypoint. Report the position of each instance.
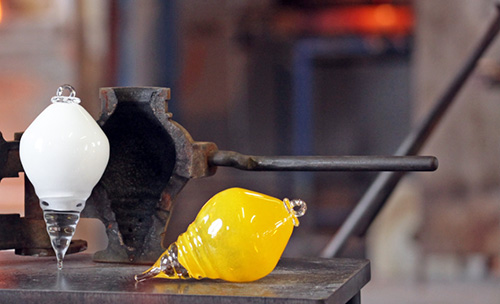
(239, 235)
(64, 153)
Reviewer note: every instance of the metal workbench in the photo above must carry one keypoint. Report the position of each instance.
(314, 280)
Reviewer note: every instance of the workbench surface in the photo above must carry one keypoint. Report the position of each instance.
(36, 279)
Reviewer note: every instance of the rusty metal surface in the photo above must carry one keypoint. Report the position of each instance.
(10, 164)
(375, 197)
(151, 160)
(82, 281)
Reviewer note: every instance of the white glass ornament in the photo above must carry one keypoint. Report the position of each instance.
(64, 153)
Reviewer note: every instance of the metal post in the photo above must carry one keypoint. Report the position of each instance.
(375, 197)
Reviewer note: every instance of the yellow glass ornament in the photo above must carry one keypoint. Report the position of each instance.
(239, 236)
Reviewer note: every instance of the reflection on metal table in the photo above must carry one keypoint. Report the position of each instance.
(84, 281)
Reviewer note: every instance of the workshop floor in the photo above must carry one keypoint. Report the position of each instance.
(442, 292)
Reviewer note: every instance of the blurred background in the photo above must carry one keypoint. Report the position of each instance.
(295, 77)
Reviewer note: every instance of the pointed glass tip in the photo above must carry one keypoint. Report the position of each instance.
(151, 273)
(61, 226)
(60, 262)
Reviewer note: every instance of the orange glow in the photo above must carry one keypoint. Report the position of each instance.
(384, 18)
(362, 19)
(385, 15)
(1, 11)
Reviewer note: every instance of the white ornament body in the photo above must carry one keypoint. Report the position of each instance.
(64, 153)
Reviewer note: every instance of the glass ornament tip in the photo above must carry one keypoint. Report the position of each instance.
(61, 226)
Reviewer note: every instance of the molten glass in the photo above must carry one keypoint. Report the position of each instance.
(238, 236)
